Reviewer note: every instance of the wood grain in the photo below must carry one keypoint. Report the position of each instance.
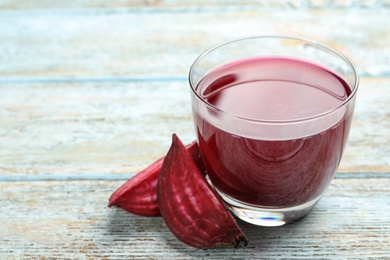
(93, 45)
(70, 218)
(120, 128)
(196, 5)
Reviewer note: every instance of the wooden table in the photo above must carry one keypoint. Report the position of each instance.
(91, 91)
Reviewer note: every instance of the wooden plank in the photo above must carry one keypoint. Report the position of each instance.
(369, 127)
(68, 219)
(198, 4)
(90, 128)
(91, 44)
(100, 128)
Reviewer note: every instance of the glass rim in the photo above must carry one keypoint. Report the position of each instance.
(311, 42)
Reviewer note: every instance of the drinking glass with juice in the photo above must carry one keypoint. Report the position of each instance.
(272, 116)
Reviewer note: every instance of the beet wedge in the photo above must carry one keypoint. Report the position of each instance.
(190, 207)
(139, 194)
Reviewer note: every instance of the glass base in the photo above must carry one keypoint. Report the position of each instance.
(269, 217)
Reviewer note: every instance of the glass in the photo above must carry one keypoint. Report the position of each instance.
(272, 116)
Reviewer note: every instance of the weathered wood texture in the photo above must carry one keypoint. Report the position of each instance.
(234, 5)
(91, 91)
(70, 219)
(89, 44)
(95, 128)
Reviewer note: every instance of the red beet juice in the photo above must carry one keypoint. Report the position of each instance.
(272, 166)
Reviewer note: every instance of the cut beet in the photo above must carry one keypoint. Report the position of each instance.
(190, 207)
(139, 194)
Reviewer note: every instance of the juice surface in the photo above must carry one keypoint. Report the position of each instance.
(273, 89)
